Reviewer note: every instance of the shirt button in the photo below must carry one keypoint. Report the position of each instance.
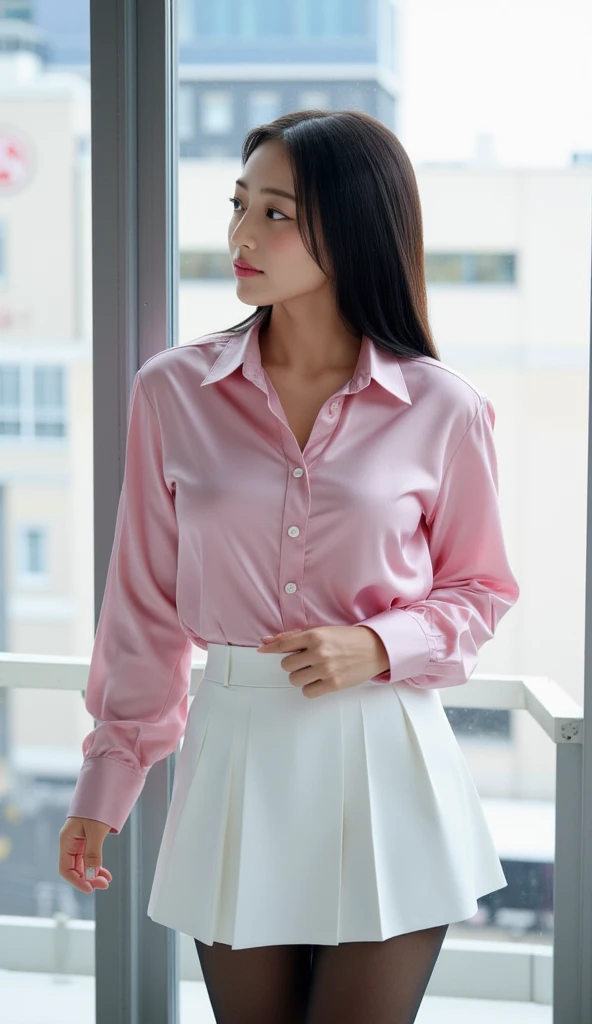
(298, 471)
(293, 531)
(333, 407)
(290, 588)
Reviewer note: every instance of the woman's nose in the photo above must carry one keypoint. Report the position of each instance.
(241, 236)
(243, 233)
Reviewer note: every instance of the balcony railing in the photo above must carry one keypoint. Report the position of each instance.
(465, 968)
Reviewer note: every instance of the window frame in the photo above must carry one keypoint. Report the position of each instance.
(133, 72)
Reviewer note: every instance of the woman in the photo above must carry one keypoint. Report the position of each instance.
(315, 472)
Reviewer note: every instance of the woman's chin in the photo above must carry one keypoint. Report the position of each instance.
(247, 294)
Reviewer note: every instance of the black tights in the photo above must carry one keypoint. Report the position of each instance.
(351, 983)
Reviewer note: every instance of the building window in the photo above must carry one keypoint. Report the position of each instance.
(470, 268)
(314, 99)
(32, 402)
(212, 266)
(480, 723)
(186, 111)
(243, 19)
(267, 18)
(390, 31)
(10, 392)
(216, 112)
(33, 553)
(214, 18)
(217, 152)
(185, 20)
(264, 106)
(49, 401)
(20, 9)
(332, 18)
(353, 98)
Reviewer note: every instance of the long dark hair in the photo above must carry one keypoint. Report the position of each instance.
(354, 180)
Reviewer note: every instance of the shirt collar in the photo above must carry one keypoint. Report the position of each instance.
(373, 362)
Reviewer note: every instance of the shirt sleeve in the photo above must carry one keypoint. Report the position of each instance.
(138, 682)
(436, 642)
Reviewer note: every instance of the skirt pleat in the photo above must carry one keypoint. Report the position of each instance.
(350, 817)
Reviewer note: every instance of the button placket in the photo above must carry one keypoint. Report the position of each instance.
(298, 504)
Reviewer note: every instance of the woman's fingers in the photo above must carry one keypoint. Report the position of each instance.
(101, 882)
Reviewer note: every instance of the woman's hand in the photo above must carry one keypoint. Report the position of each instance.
(81, 853)
(329, 658)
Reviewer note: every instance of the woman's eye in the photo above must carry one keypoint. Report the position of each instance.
(234, 199)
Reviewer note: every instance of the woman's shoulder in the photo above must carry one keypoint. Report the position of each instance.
(182, 362)
(431, 381)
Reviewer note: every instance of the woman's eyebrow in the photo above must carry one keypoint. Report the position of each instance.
(273, 191)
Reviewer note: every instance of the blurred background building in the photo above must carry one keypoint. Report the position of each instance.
(507, 256)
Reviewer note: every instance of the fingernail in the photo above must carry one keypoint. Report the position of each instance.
(268, 637)
(89, 873)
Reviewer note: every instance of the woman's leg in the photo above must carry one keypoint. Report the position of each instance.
(259, 985)
(373, 982)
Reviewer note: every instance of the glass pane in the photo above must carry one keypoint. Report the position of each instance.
(314, 98)
(9, 385)
(506, 217)
(216, 112)
(264, 105)
(46, 500)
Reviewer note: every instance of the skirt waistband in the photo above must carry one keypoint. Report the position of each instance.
(233, 665)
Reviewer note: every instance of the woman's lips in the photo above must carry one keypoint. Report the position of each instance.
(242, 271)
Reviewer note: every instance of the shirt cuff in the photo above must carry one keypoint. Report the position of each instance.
(406, 644)
(106, 790)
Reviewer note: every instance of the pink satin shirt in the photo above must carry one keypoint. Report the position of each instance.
(226, 532)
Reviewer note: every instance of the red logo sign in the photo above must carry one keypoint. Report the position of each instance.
(16, 163)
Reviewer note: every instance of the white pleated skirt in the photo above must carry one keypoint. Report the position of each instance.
(348, 817)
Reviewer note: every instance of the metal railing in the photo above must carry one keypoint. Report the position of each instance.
(557, 714)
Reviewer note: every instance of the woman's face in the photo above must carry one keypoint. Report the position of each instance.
(263, 232)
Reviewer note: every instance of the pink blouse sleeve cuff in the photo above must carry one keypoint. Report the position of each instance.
(406, 644)
(106, 790)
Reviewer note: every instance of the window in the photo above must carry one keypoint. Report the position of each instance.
(195, 265)
(390, 41)
(264, 106)
(353, 98)
(470, 268)
(185, 20)
(216, 112)
(334, 18)
(216, 152)
(20, 9)
(32, 402)
(10, 389)
(479, 723)
(186, 111)
(314, 99)
(48, 401)
(213, 19)
(247, 19)
(265, 18)
(33, 553)
(517, 331)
